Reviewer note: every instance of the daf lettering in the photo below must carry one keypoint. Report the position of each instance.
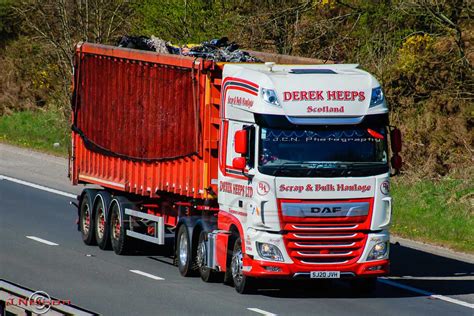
(322, 210)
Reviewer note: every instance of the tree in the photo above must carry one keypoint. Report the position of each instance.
(62, 23)
(183, 21)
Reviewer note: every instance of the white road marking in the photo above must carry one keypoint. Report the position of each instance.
(148, 275)
(463, 277)
(39, 187)
(426, 293)
(44, 241)
(260, 311)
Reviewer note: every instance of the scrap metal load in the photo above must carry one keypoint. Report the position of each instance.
(219, 50)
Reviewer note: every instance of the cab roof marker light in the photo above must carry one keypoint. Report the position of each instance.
(377, 97)
(270, 97)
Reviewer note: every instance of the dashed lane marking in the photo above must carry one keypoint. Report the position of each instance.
(43, 241)
(148, 275)
(261, 311)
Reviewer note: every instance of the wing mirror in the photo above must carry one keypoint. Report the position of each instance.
(397, 162)
(396, 144)
(239, 163)
(396, 140)
(240, 142)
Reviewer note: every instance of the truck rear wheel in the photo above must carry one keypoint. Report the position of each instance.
(86, 220)
(242, 283)
(121, 243)
(207, 274)
(185, 253)
(102, 227)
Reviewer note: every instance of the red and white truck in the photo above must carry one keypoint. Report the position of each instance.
(257, 170)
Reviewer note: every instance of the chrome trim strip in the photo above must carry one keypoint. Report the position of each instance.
(325, 246)
(307, 274)
(325, 254)
(325, 236)
(325, 227)
(325, 263)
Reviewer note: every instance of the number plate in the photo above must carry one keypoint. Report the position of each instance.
(325, 274)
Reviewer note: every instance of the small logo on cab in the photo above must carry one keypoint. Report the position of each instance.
(385, 187)
(263, 188)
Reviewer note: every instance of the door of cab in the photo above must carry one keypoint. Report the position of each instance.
(235, 186)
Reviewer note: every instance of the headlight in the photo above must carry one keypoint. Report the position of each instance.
(270, 96)
(379, 251)
(377, 97)
(269, 251)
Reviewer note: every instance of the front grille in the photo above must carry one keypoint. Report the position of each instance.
(325, 241)
(325, 248)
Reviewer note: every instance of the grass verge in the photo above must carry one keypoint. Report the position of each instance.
(39, 130)
(439, 212)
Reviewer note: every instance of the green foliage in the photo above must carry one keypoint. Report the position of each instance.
(182, 21)
(8, 23)
(435, 211)
(30, 78)
(38, 129)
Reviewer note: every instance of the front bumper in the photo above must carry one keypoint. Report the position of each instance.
(266, 269)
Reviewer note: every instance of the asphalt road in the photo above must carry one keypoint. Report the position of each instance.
(103, 282)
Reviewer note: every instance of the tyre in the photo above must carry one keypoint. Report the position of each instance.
(207, 274)
(185, 253)
(86, 220)
(228, 280)
(101, 221)
(121, 243)
(242, 283)
(364, 285)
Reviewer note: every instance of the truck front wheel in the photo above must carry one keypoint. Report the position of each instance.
(242, 283)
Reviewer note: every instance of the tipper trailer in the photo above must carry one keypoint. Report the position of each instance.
(258, 170)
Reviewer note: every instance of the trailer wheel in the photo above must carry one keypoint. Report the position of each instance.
(242, 283)
(185, 253)
(207, 274)
(121, 243)
(102, 227)
(86, 220)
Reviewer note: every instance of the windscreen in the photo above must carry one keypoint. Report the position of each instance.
(329, 151)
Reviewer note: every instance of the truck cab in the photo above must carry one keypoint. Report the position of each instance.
(304, 169)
